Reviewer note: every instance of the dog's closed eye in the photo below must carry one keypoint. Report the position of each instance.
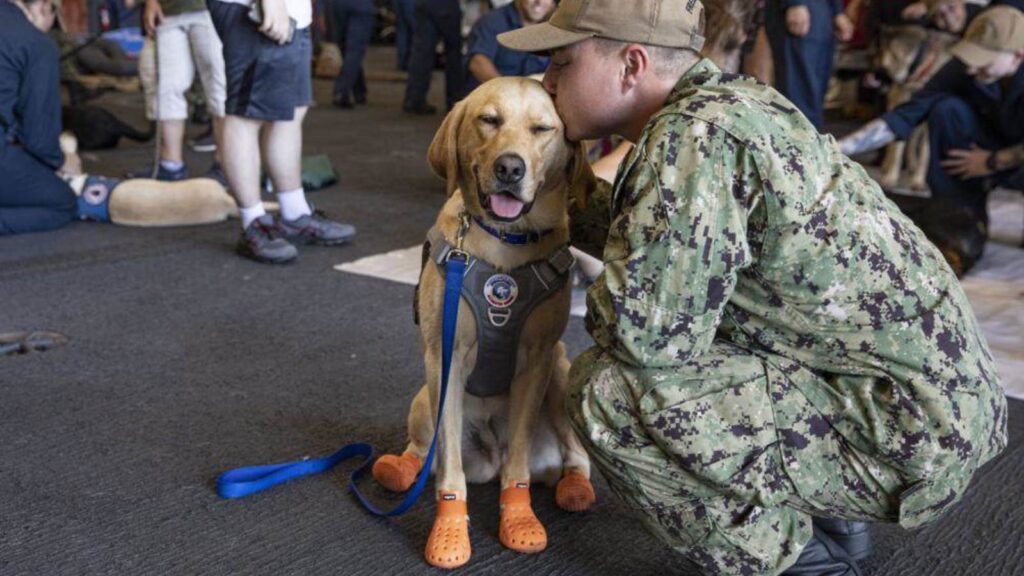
(491, 120)
(541, 128)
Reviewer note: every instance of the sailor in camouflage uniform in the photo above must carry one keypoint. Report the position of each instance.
(775, 341)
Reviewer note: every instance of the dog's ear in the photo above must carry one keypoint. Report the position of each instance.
(443, 155)
(581, 177)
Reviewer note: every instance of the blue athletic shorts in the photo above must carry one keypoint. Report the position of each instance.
(265, 80)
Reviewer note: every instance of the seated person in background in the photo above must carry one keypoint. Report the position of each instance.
(974, 107)
(486, 59)
(32, 197)
(97, 56)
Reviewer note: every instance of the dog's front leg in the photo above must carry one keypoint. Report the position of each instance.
(448, 545)
(520, 530)
(575, 493)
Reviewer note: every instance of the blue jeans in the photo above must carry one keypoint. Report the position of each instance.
(32, 197)
(404, 22)
(435, 19)
(353, 22)
(803, 66)
(953, 124)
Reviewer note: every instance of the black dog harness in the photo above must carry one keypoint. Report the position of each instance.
(501, 303)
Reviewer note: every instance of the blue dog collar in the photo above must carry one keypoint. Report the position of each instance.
(513, 238)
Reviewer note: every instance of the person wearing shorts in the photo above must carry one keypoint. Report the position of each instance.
(269, 88)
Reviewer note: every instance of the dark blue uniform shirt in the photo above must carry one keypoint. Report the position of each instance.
(1000, 106)
(29, 87)
(483, 39)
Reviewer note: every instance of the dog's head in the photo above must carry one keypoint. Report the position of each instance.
(901, 46)
(504, 148)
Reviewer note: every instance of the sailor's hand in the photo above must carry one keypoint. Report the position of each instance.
(275, 21)
(798, 21)
(972, 163)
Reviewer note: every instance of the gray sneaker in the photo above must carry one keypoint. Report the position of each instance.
(316, 229)
(261, 242)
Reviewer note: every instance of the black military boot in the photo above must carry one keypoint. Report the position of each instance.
(854, 537)
(822, 556)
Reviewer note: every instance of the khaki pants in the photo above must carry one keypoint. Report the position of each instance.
(185, 44)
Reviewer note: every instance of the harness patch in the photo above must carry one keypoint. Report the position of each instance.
(500, 292)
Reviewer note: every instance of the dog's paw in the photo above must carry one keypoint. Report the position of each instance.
(574, 492)
(397, 473)
(448, 545)
(520, 530)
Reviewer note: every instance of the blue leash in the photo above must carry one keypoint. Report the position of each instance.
(242, 482)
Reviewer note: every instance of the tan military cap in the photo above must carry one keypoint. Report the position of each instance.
(670, 23)
(998, 30)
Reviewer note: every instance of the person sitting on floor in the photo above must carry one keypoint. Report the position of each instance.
(32, 197)
(486, 59)
(974, 107)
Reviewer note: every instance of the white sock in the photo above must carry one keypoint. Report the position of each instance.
(293, 204)
(171, 165)
(250, 214)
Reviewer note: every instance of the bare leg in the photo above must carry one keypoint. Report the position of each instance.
(173, 135)
(282, 148)
(218, 138)
(242, 159)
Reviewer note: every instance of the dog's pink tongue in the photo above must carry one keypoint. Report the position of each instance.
(506, 206)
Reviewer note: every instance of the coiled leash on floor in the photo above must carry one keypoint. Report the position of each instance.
(245, 481)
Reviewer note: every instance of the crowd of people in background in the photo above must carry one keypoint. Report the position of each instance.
(252, 67)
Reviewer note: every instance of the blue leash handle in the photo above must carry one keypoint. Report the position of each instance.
(242, 482)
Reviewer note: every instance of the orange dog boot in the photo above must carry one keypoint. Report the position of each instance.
(520, 529)
(448, 545)
(397, 473)
(574, 492)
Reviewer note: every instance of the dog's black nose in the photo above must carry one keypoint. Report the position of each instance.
(509, 168)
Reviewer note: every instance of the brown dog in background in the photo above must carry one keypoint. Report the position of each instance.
(523, 434)
(910, 55)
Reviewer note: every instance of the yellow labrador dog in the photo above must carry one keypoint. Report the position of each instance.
(511, 175)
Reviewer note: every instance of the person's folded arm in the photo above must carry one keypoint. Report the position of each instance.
(676, 248)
